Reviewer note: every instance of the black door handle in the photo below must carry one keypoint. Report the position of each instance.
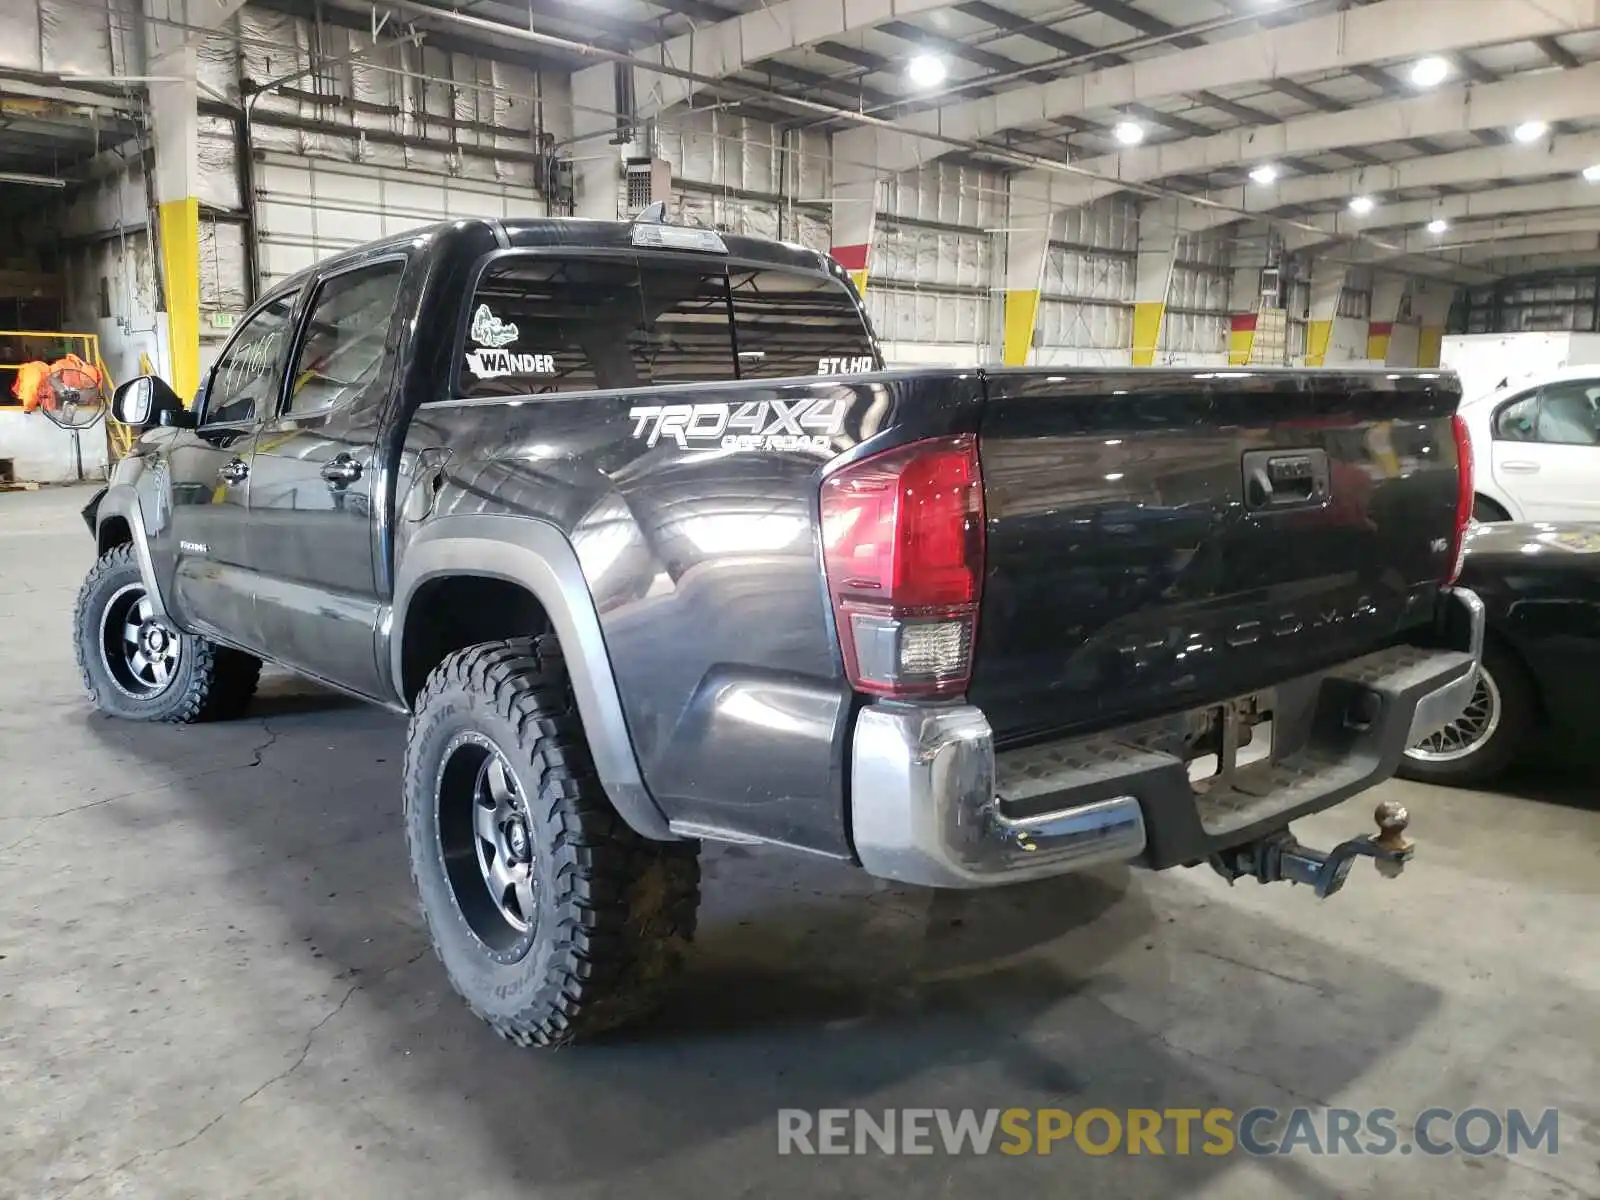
(235, 470)
(341, 471)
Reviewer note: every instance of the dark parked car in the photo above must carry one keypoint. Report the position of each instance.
(1540, 584)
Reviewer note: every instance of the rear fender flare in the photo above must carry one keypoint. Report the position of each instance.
(538, 557)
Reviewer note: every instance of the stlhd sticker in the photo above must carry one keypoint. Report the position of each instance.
(860, 364)
(489, 330)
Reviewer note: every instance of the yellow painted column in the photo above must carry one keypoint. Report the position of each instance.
(855, 211)
(1318, 331)
(1147, 331)
(1152, 278)
(1430, 303)
(1327, 285)
(174, 120)
(1022, 312)
(179, 231)
(1430, 343)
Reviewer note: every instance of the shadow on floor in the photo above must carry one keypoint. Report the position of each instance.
(810, 986)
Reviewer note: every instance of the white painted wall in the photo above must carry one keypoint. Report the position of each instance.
(42, 452)
(1483, 360)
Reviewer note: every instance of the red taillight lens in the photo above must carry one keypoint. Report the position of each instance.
(1464, 495)
(902, 538)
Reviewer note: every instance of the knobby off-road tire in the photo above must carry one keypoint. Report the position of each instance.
(137, 667)
(571, 924)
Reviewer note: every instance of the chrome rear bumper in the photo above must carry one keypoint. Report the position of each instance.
(933, 804)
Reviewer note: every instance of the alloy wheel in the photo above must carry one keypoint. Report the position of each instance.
(1469, 732)
(139, 651)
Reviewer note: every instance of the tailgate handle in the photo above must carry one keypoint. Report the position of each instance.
(1277, 479)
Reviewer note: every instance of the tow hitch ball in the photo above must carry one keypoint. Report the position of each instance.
(1278, 856)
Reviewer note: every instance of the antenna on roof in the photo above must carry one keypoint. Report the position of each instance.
(652, 214)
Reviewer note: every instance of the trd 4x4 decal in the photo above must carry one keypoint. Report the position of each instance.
(753, 425)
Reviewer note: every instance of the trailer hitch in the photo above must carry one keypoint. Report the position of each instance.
(1278, 856)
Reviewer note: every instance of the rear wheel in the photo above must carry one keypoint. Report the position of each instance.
(137, 666)
(553, 919)
(1486, 737)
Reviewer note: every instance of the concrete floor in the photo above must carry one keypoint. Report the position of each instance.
(214, 983)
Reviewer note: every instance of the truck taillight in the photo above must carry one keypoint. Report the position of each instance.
(902, 536)
(1464, 495)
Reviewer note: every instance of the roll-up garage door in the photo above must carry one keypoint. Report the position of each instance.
(307, 209)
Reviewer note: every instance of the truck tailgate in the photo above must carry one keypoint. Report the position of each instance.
(1159, 540)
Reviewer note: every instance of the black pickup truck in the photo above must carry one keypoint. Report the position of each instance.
(633, 525)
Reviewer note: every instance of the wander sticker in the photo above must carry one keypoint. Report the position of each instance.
(489, 330)
(491, 364)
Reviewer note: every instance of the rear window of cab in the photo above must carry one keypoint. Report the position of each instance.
(544, 325)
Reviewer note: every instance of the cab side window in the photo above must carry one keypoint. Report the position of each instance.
(1519, 420)
(245, 383)
(1567, 413)
(343, 352)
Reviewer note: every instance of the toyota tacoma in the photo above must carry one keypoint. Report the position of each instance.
(632, 524)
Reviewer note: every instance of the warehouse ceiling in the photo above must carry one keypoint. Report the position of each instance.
(1471, 146)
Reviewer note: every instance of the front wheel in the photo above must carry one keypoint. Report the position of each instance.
(137, 666)
(1487, 736)
(553, 919)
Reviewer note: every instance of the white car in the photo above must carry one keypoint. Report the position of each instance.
(1536, 447)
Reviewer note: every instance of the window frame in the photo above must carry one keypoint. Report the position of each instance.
(296, 297)
(455, 393)
(1537, 392)
(307, 307)
(1588, 383)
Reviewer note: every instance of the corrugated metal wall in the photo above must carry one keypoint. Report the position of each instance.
(933, 263)
(1194, 330)
(741, 175)
(1085, 305)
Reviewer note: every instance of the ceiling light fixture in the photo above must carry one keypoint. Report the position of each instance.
(1264, 174)
(1361, 205)
(1592, 174)
(1429, 72)
(1529, 131)
(926, 71)
(1129, 133)
(1438, 225)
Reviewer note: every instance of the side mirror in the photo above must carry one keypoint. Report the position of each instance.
(148, 401)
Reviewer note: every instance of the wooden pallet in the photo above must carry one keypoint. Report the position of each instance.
(25, 485)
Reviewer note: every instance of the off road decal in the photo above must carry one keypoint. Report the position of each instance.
(491, 364)
(489, 330)
(753, 425)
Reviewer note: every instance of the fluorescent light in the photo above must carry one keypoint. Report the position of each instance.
(1429, 72)
(926, 70)
(1129, 133)
(1438, 225)
(18, 177)
(1361, 205)
(1529, 131)
(1264, 174)
(1592, 174)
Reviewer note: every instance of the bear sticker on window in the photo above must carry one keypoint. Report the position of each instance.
(490, 330)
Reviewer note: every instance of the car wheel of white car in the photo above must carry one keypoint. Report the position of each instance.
(1487, 736)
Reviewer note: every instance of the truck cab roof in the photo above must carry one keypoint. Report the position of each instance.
(578, 233)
